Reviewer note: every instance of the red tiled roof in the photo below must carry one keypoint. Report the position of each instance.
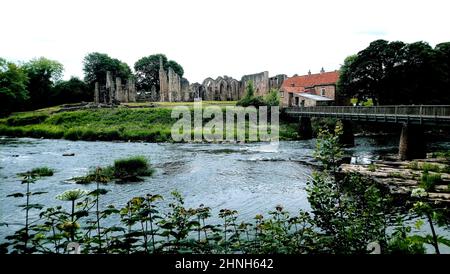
(298, 84)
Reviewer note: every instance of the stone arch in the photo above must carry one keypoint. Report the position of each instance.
(234, 89)
(221, 89)
(210, 86)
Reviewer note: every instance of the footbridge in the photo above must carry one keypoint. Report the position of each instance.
(412, 118)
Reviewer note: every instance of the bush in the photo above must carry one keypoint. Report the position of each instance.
(273, 98)
(131, 168)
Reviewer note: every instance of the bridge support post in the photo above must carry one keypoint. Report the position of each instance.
(412, 143)
(305, 128)
(347, 138)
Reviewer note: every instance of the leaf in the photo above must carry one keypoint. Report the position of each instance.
(31, 206)
(81, 213)
(419, 224)
(443, 240)
(16, 195)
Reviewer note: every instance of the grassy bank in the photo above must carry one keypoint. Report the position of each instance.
(126, 124)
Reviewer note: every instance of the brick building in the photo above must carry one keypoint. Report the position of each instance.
(310, 90)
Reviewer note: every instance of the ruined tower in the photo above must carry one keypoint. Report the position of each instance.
(163, 85)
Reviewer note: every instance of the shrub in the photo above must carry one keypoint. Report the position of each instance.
(131, 168)
(272, 98)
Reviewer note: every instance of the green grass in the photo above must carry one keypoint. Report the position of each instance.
(137, 124)
(429, 181)
(441, 154)
(372, 167)
(426, 167)
(39, 171)
(124, 170)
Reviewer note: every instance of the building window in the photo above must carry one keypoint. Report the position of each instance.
(281, 94)
(322, 92)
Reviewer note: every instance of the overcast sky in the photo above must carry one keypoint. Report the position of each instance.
(211, 37)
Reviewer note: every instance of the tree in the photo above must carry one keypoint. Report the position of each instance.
(71, 91)
(95, 66)
(13, 87)
(42, 74)
(147, 71)
(396, 73)
(349, 210)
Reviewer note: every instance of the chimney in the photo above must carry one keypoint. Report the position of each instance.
(322, 70)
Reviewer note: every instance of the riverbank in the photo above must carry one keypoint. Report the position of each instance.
(130, 122)
(431, 174)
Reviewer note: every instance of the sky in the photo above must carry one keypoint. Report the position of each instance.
(212, 38)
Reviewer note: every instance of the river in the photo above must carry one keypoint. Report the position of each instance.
(250, 178)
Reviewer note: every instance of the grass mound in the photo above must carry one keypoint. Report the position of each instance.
(39, 172)
(130, 169)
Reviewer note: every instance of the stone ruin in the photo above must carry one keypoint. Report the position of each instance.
(114, 92)
(173, 88)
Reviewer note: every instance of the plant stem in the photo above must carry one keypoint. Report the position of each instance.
(433, 232)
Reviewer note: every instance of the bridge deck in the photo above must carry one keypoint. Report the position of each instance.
(421, 114)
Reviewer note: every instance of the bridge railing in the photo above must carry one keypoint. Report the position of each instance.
(416, 110)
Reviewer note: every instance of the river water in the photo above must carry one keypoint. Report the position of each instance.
(250, 178)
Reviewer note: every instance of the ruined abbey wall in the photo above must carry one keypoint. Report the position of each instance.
(114, 91)
(260, 82)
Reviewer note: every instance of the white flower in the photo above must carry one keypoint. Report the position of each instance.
(419, 193)
(72, 194)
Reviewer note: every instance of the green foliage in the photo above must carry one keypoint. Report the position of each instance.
(95, 66)
(402, 242)
(145, 124)
(42, 73)
(372, 167)
(442, 154)
(125, 170)
(272, 98)
(397, 73)
(350, 210)
(328, 149)
(30, 119)
(430, 167)
(131, 168)
(434, 216)
(39, 172)
(429, 181)
(147, 71)
(249, 98)
(414, 165)
(71, 91)
(13, 87)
